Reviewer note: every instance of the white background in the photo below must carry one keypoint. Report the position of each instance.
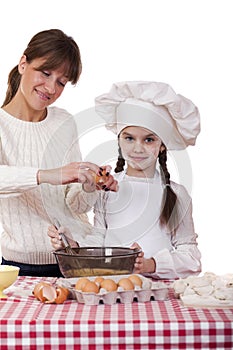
(185, 43)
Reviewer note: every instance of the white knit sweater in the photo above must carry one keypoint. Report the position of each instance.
(27, 209)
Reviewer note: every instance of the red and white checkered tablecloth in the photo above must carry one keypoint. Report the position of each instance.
(25, 323)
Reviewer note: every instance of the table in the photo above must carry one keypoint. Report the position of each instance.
(26, 323)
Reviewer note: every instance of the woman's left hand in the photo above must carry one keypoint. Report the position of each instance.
(56, 239)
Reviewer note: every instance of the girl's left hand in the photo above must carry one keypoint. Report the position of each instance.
(143, 265)
(138, 265)
(107, 181)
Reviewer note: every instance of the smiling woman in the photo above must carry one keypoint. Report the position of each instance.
(36, 141)
(39, 88)
(52, 50)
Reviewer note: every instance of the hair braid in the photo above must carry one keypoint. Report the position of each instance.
(168, 214)
(120, 162)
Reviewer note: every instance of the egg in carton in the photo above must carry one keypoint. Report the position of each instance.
(113, 289)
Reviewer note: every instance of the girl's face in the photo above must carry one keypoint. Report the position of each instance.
(40, 89)
(140, 148)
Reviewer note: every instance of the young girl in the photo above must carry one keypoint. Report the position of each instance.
(36, 140)
(149, 118)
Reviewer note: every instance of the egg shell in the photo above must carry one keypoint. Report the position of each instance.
(38, 287)
(47, 294)
(62, 295)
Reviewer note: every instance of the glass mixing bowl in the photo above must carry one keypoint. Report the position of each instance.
(96, 261)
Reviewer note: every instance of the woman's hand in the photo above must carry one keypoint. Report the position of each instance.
(72, 172)
(81, 172)
(56, 239)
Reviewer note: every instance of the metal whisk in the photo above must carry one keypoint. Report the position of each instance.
(68, 249)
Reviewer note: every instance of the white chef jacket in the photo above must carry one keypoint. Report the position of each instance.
(132, 215)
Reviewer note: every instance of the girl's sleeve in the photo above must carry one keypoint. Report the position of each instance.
(16, 180)
(100, 225)
(185, 258)
(78, 200)
(96, 238)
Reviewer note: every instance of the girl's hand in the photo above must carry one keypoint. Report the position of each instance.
(143, 265)
(138, 265)
(106, 181)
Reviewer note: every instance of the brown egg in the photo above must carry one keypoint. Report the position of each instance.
(100, 180)
(126, 284)
(109, 285)
(137, 281)
(80, 283)
(98, 280)
(90, 287)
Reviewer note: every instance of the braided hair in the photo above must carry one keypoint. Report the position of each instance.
(120, 162)
(168, 214)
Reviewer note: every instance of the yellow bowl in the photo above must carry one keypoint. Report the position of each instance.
(8, 275)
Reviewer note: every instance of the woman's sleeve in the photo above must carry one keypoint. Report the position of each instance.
(185, 258)
(16, 180)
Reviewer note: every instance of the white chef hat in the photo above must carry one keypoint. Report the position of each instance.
(154, 106)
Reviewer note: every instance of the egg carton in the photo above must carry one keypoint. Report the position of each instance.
(151, 290)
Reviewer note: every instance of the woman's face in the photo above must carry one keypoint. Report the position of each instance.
(40, 88)
(140, 148)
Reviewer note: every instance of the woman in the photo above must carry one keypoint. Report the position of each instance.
(39, 149)
(149, 118)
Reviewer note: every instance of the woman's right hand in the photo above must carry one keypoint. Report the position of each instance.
(56, 239)
(81, 172)
(72, 172)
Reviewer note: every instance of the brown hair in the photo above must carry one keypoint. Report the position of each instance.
(168, 214)
(57, 48)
